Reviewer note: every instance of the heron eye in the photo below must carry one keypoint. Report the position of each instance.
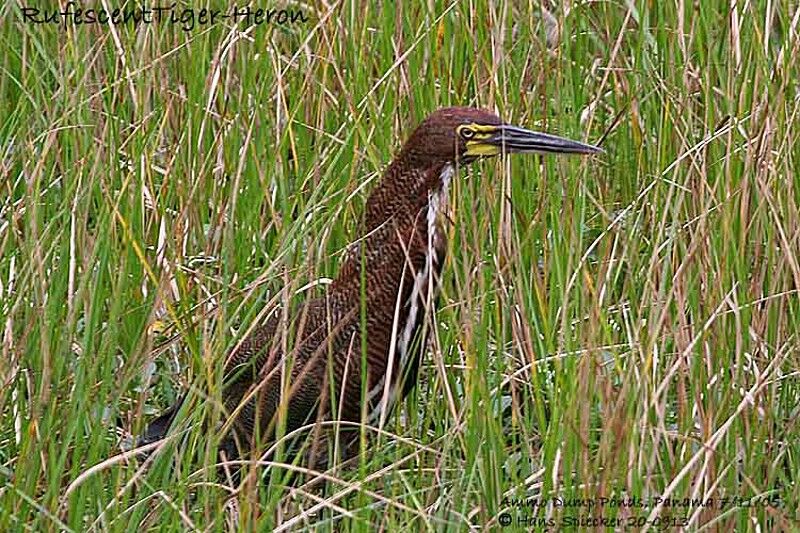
(467, 133)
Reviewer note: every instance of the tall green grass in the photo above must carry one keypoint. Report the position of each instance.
(623, 326)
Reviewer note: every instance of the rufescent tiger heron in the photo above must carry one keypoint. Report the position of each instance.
(356, 349)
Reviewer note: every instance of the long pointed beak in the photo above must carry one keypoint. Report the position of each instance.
(513, 139)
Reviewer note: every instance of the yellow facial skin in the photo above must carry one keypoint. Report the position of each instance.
(475, 136)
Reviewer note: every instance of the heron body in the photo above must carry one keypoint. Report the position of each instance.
(354, 352)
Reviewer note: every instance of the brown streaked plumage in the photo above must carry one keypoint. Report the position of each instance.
(396, 263)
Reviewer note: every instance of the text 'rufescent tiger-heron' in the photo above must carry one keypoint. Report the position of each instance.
(385, 289)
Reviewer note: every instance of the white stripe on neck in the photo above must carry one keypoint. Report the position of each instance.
(420, 297)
